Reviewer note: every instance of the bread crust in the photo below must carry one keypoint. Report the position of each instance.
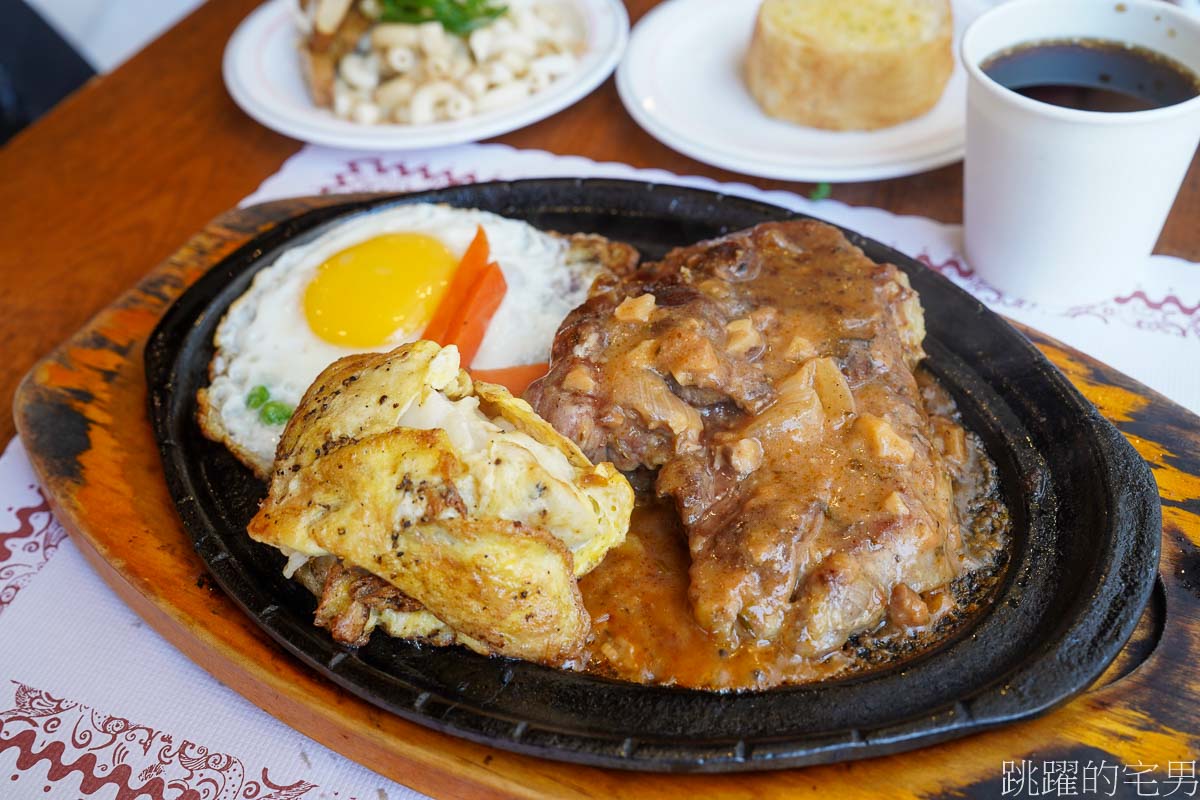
(819, 82)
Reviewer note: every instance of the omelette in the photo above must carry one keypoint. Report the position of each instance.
(436, 506)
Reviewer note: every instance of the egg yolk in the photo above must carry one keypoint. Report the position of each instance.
(363, 295)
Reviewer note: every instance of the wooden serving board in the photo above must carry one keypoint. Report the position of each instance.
(82, 413)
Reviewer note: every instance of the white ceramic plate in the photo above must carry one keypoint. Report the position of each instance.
(262, 73)
(681, 80)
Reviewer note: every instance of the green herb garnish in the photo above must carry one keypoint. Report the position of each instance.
(459, 17)
(275, 413)
(257, 396)
(822, 191)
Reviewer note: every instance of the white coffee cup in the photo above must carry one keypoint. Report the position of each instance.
(1062, 206)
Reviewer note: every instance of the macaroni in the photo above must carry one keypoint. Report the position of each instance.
(421, 74)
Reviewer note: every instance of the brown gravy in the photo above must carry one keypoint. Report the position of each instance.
(642, 625)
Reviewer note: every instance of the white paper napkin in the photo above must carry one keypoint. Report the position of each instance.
(93, 702)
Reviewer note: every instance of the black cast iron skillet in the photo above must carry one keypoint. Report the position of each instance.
(1084, 552)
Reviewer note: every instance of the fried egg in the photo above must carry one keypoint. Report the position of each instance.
(369, 285)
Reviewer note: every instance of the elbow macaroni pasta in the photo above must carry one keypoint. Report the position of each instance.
(420, 74)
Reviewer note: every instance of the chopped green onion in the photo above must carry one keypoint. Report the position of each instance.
(822, 191)
(257, 396)
(458, 17)
(275, 413)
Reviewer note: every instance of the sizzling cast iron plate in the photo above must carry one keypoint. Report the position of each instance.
(1085, 511)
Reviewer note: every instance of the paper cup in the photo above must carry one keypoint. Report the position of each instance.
(1063, 206)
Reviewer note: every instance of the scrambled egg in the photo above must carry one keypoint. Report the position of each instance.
(455, 492)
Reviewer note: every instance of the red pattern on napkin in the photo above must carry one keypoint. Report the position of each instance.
(1137, 309)
(99, 750)
(376, 175)
(1169, 315)
(25, 550)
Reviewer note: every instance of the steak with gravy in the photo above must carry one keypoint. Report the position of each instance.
(763, 383)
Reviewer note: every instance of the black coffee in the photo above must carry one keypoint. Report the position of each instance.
(1093, 75)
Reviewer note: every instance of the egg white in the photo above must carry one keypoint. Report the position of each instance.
(265, 340)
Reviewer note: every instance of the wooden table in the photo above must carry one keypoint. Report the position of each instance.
(122, 173)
